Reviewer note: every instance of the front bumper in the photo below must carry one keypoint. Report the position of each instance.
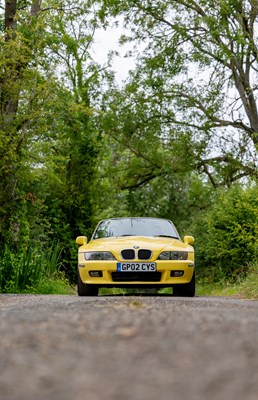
(112, 278)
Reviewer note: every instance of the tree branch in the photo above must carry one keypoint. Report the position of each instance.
(141, 182)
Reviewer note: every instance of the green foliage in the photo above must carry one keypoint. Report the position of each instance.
(221, 288)
(244, 286)
(227, 234)
(191, 79)
(48, 145)
(25, 269)
(248, 288)
(112, 291)
(54, 284)
(74, 148)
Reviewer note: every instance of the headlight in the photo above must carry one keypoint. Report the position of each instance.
(98, 255)
(173, 255)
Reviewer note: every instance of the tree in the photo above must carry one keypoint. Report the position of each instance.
(48, 138)
(21, 91)
(226, 235)
(48, 143)
(196, 77)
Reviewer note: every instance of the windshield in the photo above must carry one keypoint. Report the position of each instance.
(135, 227)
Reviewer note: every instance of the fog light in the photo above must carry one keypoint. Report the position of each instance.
(96, 274)
(176, 274)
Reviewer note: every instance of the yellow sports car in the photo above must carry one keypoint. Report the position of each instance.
(136, 252)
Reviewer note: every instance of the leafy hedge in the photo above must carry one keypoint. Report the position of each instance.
(227, 234)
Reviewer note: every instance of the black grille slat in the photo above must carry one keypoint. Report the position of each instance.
(128, 254)
(136, 276)
(144, 254)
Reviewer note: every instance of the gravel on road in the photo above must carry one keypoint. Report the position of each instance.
(128, 348)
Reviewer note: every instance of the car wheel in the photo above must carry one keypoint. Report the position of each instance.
(186, 289)
(86, 290)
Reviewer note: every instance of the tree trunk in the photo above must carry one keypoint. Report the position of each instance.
(10, 20)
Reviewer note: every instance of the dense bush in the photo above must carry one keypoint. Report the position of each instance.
(227, 234)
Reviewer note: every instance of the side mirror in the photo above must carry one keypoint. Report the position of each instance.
(81, 240)
(189, 240)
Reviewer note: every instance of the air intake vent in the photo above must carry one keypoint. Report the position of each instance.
(128, 254)
(144, 254)
(136, 276)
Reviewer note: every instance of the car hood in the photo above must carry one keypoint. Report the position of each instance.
(155, 244)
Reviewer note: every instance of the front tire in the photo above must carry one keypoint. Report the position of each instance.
(186, 289)
(84, 289)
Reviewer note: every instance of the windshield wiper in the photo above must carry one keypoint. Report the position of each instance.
(167, 236)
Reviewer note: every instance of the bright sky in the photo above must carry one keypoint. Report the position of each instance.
(107, 40)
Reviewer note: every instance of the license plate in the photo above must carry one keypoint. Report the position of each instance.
(136, 266)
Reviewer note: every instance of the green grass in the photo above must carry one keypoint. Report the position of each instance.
(112, 291)
(245, 287)
(30, 270)
(217, 289)
(55, 284)
(248, 288)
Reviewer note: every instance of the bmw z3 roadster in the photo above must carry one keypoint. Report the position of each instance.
(136, 253)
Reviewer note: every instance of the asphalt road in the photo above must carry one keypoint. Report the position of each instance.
(123, 348)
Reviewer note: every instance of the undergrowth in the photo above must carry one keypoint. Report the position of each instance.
(246, 286)
(31, 271)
